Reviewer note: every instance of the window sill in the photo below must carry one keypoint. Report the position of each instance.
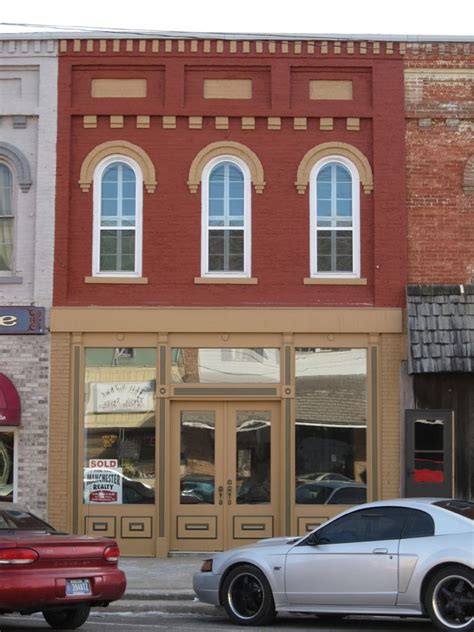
(226, 280)
(116, 280)
(11, 279)
(333, 281)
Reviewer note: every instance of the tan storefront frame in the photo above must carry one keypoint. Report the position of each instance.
(74, 329)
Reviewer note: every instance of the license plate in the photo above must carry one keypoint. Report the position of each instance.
(78, 587)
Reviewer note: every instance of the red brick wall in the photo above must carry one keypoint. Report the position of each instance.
(280, 216)
(440, 140)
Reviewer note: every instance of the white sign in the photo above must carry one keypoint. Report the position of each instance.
(121, 397)
(103, 485)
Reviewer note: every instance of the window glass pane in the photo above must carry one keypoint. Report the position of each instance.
(369, 525)
(226, 249)
(253, 456)
(5, 191)
(334, 251)
(418, 525)
(6, 244)
(197, 454)
(324, 208)
(331, 425)
(119, 426)
(429, 451)
(7, 461)
(232, 365)
(117, 250)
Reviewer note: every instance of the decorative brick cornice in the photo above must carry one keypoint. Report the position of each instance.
(28, 48)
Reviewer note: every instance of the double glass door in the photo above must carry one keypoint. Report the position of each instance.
(225, 481)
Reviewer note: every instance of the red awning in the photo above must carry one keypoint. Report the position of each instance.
(10, 407)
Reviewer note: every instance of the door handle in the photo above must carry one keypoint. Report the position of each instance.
(380, 551)
(220, 489)
(229, 494)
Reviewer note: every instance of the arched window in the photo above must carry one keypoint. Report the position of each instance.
(7, 219)
(226, 218)
(118, 200)
(335, 232)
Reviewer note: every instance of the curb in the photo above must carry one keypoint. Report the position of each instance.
(159, 595)
(162, 605)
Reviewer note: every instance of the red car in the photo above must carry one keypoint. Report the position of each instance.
(60, 575)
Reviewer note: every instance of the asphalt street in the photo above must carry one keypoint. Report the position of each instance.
(129, 621)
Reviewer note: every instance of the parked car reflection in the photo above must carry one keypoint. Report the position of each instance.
(331, 493)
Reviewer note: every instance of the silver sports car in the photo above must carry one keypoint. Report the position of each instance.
(411, 557)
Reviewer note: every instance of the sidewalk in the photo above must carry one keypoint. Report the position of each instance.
(162, 585)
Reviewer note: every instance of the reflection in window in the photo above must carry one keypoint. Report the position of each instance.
(253, 457)
(197, 465)
(119, 426)
(217, 366)
(331, 426)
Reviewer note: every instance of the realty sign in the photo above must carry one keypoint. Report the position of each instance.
(103, 485)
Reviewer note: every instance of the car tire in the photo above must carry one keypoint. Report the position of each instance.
(67, 619)
(449, 597)
(247, 596)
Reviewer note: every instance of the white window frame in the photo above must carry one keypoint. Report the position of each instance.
(355, 274)
(97, 200)
(247, 228)
(14, 216)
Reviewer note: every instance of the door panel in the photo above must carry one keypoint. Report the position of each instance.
(354, 574)
(224, 477)
(429, 453)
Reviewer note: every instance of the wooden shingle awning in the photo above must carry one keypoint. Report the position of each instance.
(440, 328)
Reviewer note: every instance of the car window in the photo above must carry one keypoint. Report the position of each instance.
(22, 520)
(461, 507)
(348, 496)
(312, 494)
(366, 525)
(418, 524)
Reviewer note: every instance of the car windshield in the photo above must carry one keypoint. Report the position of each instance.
(13, 519)
(460, 507)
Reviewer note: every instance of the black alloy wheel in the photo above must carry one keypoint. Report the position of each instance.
(450, 599)
(247, 596)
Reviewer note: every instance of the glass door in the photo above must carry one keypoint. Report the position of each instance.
(224, 476)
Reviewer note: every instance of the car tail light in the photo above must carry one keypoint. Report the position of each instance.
(18, 556)
(112, 554)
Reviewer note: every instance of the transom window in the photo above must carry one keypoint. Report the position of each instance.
(6, 219)
(335, 219)
(118, 221)
(226, 219)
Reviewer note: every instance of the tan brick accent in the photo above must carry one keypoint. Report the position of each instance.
(389, 416)
(195, 122)
(90, 46)
(248, 122)
(168, 46)
(143, 121)
(102, 46)
(155, 46)
(222, 122)
(181, 46)
(169, 122)
(118, 88)
(232, 46)
(326, 123)
(116, 46)
(274, 122)
(116, 121)
(330, 90)
(59, 475)
(353, 124)
(129, 46)
(227, 88)
(89, 121)
(194, 46)
(142, 46)
(300, 123)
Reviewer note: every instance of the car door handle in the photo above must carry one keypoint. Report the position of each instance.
(380, 551)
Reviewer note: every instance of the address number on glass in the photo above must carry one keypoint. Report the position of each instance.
(78, 587)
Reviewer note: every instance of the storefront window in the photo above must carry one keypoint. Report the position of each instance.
(225, 366)
(119, 426)
(331, 426)
(7, 454)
